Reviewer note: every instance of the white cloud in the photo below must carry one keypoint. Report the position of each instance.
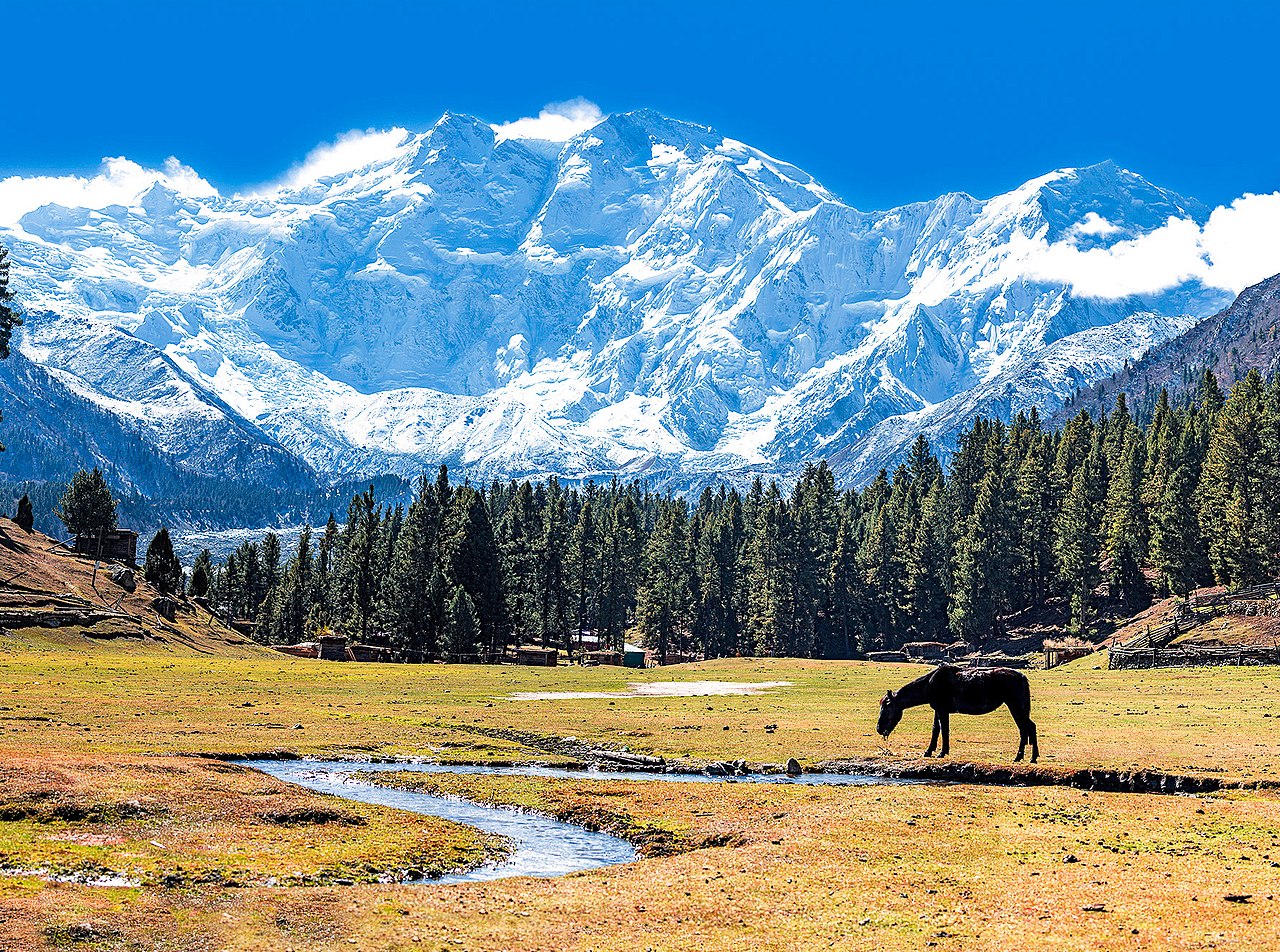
(118, 182)
(1243, 240)
(1094, 226)
(557, 122)
(1237, 247)
(349, 152)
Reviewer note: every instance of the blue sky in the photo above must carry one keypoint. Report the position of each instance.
(884, 103)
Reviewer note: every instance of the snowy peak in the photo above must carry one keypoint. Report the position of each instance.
(1102, 203)
(644, 295)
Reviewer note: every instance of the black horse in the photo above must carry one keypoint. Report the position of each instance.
(952, 690)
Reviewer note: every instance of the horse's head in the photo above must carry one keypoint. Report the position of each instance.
(890, 714)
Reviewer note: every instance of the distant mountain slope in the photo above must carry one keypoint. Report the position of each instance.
(648, 298)
(1240, 338)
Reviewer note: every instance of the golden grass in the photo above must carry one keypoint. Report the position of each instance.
(1213, 721)
(851, 868)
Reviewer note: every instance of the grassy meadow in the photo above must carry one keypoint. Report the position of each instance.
(107, 771)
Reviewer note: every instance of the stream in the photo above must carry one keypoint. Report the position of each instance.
(544, 846)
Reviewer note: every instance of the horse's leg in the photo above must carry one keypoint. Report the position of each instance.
(1026, 729)
(945, 720)
(937, 726)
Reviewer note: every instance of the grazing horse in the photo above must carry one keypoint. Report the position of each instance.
(952, 690)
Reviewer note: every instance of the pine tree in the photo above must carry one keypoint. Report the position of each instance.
(1033, 512)
(848, 629)
(552, 572)
(584, 559)
(1176, 549)
(1125, 524)
(1235, 485)
(621, 549)
(162, 568)
(406, 609)
(981, 576)
(926, 565)
(471, 561)
(25, 517)
(462, 635)
(1076, 546)
(816, 524)
(270, 559)
(87, 507)
(357, 568)
(879, 577)
(201, 575)
(664, 599)
(517, 542)
(323, 604)
(9, 315)
(716, 565)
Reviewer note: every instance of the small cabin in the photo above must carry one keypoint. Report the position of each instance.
(536, 656)
(926, 650)
(1056, 653)
(332, 648)
(887, 656)
(681, 657)
(118, 545)
(304, 649)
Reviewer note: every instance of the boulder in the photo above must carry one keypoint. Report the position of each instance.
(793, 767)
(166, 608)
(123, 576)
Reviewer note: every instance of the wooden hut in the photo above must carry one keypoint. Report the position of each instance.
(536, 656)
(118, 545)
(332, 648)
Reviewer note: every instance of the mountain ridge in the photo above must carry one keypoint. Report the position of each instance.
(648, 297)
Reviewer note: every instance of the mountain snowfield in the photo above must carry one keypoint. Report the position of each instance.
(647, 297)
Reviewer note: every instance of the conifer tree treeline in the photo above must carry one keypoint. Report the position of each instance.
(1023, 517)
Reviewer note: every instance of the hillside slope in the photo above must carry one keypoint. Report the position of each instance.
(50, 598)
(1244, 336)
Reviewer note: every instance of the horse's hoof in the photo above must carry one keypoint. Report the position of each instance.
(928, 753)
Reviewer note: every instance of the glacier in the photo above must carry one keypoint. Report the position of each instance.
(648, 298)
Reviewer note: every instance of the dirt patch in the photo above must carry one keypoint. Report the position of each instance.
(311, 816)
(51, 807)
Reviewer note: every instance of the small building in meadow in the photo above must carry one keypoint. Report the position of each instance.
(633, 656)
(536, 656)
(926, 650)
(304, 649)
(118, 545)
(332, 648)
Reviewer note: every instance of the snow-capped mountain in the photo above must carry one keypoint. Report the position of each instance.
(648, 297)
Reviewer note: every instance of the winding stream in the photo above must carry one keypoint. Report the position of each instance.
(544, 846)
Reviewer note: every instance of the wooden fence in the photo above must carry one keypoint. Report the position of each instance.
(1179, 657)
(1161, 635)
(1252, 593)
(1151, 649)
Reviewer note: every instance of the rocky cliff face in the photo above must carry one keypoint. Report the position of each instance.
(649, 297)
(1240, 338)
